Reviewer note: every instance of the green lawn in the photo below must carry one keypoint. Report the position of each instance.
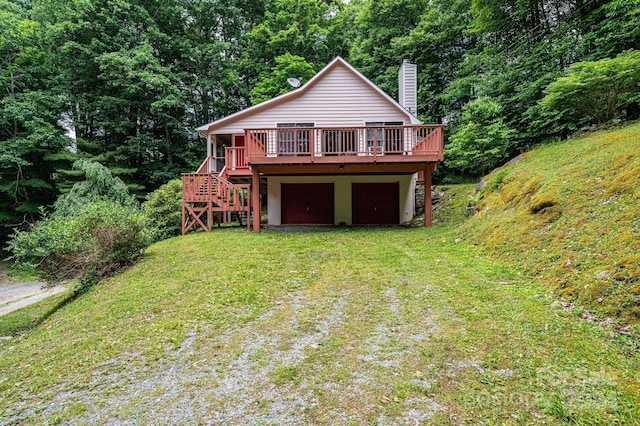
(355, 326)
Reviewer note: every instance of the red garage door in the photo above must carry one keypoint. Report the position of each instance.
(375, 203)
(307, 203)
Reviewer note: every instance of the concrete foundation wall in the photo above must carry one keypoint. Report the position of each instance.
(342, 194)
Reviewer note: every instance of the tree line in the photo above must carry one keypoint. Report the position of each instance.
(126, 82)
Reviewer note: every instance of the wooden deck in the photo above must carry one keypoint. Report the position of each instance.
(361, 146)
(345, 145)
(304, 150)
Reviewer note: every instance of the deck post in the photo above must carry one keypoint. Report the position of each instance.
(209, 147)
(209, 215)
(184, 207)
(427, 194)
(255, 198)
(209, 204)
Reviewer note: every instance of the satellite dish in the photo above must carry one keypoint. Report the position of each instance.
(295, 82)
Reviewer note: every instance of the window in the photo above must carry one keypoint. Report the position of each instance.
(385, 137)
(294, 138)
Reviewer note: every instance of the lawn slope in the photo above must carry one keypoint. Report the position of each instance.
(570, 213)
(378, 326)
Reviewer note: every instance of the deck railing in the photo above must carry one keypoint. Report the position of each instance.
(206, 194)
(206, 166)
(211, 164)
(235, 158)
(198, 187)
(202, 188)
(369, 141)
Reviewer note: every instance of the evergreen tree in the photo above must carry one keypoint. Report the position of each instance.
(30, 128)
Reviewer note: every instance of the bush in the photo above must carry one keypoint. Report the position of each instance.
(481, 141)
(101, 237)
(598, 90)
(164, 210)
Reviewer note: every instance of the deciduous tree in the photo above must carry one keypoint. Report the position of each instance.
(599, 90)
(276, 82)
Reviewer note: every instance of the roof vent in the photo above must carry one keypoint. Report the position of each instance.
(408, 86)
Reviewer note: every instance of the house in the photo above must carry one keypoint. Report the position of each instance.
(337, 150)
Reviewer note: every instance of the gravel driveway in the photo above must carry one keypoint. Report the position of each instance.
(254, 374)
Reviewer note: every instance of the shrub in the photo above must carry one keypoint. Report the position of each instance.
(598, 90)
(99, 238)
(481, 141)
(164, 209)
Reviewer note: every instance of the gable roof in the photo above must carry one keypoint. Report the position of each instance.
(296, 93)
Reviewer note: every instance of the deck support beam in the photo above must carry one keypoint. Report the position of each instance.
(427, 193)
(184, 215)
(255, 198)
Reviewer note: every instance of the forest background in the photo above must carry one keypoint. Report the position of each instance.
(126, 82)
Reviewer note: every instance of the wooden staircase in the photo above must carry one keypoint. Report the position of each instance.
(208, 197)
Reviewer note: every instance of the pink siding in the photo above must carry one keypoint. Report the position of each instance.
(340, 98)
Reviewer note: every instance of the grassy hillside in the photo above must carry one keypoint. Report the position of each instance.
(570, 213)
(386, 326)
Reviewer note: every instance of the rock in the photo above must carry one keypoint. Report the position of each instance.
(435, 197)
(541, 202)
(480, 185)
(471, 208)
(603, 275)
(483, 181)
(514, 160)
(419, 199)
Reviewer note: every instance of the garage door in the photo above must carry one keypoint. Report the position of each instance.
(375, 203)
(307, 203)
